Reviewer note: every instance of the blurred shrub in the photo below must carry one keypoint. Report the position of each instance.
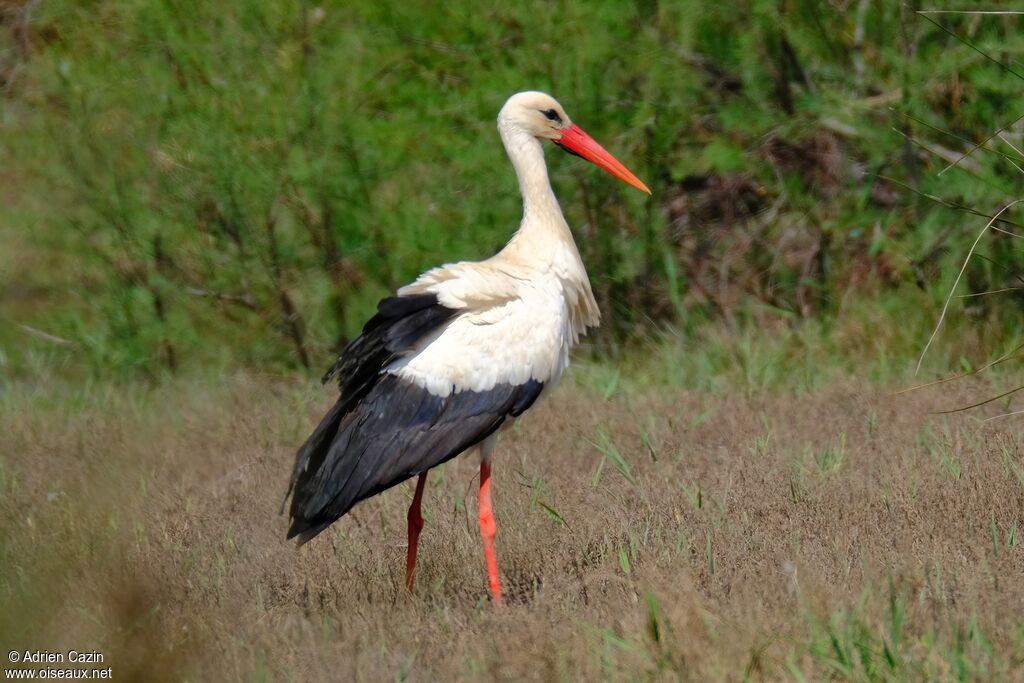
(239, 182)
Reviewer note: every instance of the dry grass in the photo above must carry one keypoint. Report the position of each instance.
(840, 535)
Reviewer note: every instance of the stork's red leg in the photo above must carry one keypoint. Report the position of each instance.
(488, 529)
(415, 526)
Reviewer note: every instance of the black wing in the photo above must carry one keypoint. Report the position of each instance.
(397, 431)
(400, 321)
(384, 430)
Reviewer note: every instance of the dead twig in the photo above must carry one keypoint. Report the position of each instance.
(243, 300)
(45, 336)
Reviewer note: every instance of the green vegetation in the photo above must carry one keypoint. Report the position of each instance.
(220, 184)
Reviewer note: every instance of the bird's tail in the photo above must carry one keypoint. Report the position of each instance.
(318, 441)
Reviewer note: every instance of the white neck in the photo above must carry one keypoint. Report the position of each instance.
(544, 236)
(539, 204)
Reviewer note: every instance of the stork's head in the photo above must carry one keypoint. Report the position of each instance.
(540, 115)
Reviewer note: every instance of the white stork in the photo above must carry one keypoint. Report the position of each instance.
(459, 353)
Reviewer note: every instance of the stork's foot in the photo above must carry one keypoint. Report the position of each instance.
(415, 527)
(488, 530)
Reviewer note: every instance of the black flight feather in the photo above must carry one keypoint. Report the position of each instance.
(400, 322)
(397, 431)
(383, 429)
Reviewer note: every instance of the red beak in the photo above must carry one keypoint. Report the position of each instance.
(575, 140)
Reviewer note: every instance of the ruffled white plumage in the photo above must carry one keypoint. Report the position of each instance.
(517, 322)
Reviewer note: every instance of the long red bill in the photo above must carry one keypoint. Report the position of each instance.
(575, 140)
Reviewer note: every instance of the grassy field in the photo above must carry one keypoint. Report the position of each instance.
(838, 533)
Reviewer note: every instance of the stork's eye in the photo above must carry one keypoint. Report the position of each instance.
(552, 115)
